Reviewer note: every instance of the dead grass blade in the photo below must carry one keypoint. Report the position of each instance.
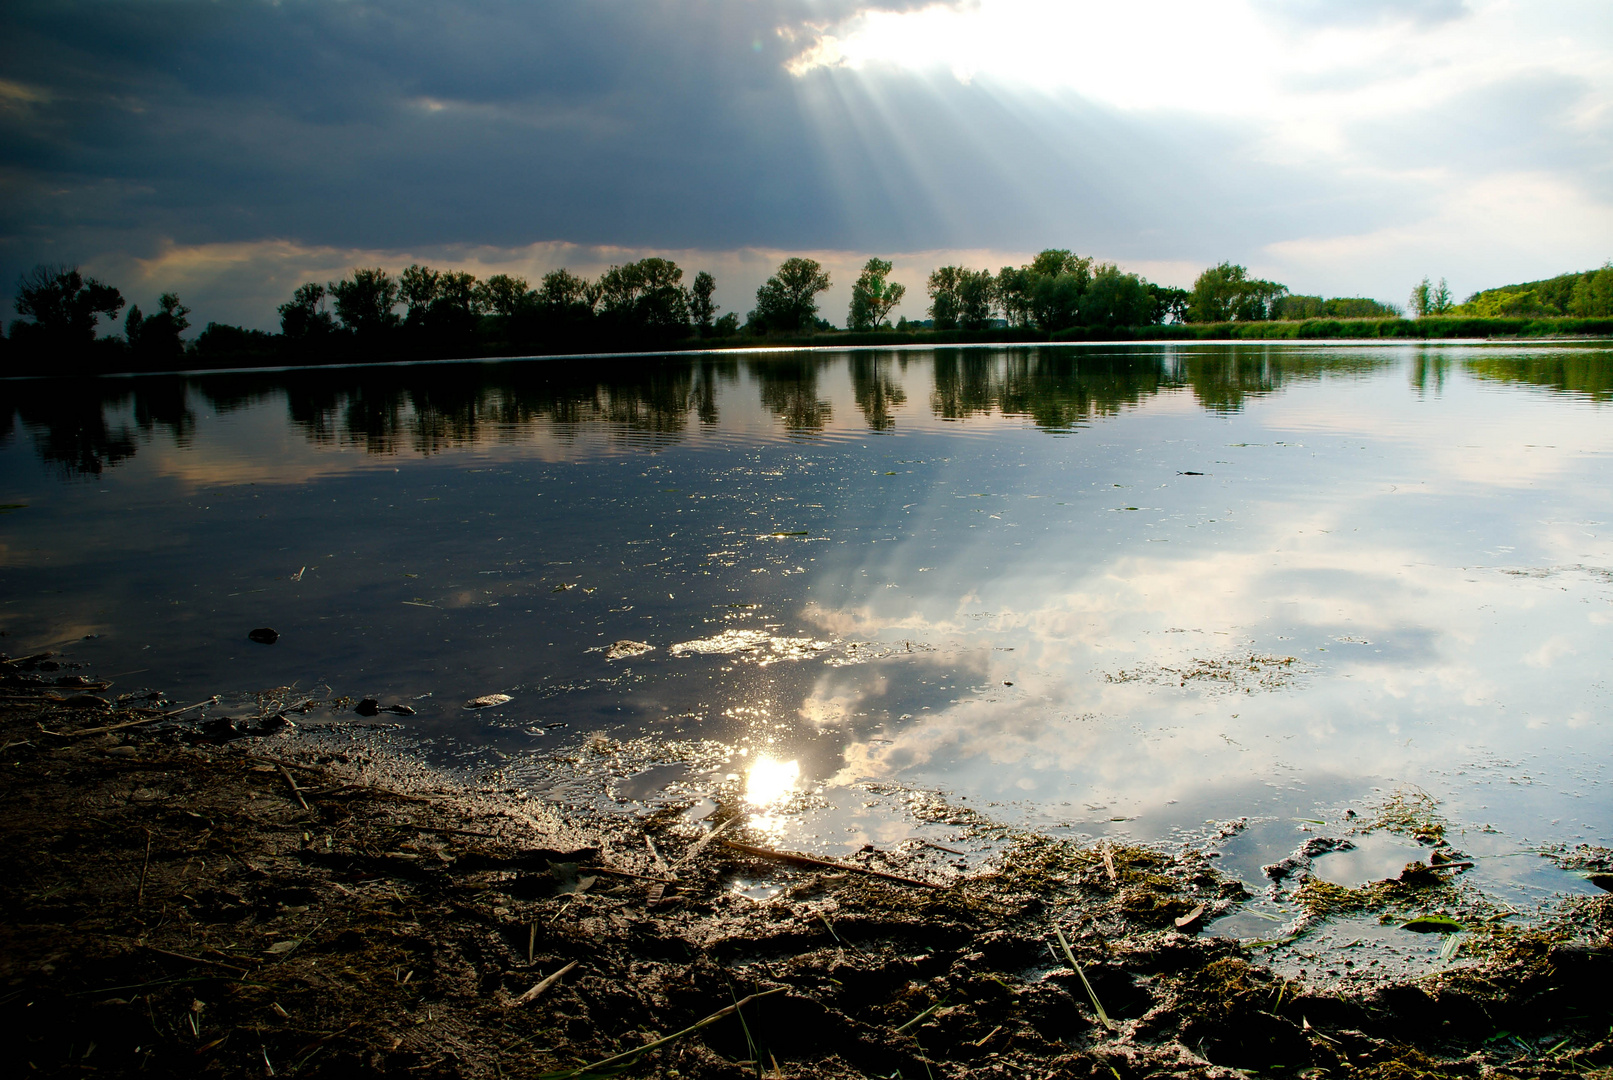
(921, 1016)
(145, 868)
(194, 959)
(1097, 1006)
(295, 790)
(700, 844)
(628, 1055)
(104, 728)
(544, 984)
(808, 860)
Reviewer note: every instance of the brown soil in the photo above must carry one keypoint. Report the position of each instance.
(172, 907)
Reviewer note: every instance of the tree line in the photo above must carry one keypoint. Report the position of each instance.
(427, 313)
(1587, 295)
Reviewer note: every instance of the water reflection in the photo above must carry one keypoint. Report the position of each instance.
(769, 783)
(87, 426)
(1107, 590)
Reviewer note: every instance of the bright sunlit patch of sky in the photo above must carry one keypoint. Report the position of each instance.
(1231, 58)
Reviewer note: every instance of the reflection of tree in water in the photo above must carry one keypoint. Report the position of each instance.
(1057, 389)
(1429, 366)
(1222, 377)
(90, 425)
(789, 387)
(440, 407)
(1060, 389)
(1588, 373)
(876, 389)
(75, 425)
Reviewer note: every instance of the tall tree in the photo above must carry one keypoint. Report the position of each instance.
(418, 287)
(787, 301)
(1114, 298)
(1052, 285)
(1593, 294)
(1226, 293)
(1170, 304)
(873, 296)
(156, 338)
(646, 295)
(976, 293)
(1441, 299)
(64, 304)
(702, 308)
(505, 295)
(304, 317)
(945, 304)
(563, 290)
(366, 303)
(1014, 294)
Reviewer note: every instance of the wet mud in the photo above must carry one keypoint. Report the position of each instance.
(182, 898)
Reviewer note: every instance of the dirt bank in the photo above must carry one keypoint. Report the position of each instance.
(188, 901)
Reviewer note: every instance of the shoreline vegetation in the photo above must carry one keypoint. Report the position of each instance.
(227, 895)
(372, 316)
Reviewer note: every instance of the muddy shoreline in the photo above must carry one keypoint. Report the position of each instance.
(181, 899)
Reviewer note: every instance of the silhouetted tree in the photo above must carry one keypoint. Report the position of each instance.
(65, 306)
(702, 309)
(945, 304)
(787, 301)
(645, 296)
(303, 318)
(504, 295)
(154, 339)
(365, 303)
(561, 288)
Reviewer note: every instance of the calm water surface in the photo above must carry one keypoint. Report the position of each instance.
(1099, 591)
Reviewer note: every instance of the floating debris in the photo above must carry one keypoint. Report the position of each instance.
(758, 645)
(623, 650)
(263, 635)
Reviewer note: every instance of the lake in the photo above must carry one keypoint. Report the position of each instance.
(1128, 591)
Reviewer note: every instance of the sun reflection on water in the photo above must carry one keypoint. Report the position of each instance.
(768, 785)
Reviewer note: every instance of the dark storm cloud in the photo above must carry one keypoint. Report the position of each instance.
(382, 125)
(399, 125)
(134, 128)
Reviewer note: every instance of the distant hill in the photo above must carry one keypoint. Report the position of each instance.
(1588, 293)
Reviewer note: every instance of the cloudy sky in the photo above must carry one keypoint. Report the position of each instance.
(230, 149)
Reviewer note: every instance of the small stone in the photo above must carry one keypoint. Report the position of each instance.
(263, 635)
(368, 707)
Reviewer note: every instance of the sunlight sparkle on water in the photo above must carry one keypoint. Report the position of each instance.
(768, 783)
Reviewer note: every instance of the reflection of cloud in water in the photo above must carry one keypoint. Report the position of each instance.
(1405, 676)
